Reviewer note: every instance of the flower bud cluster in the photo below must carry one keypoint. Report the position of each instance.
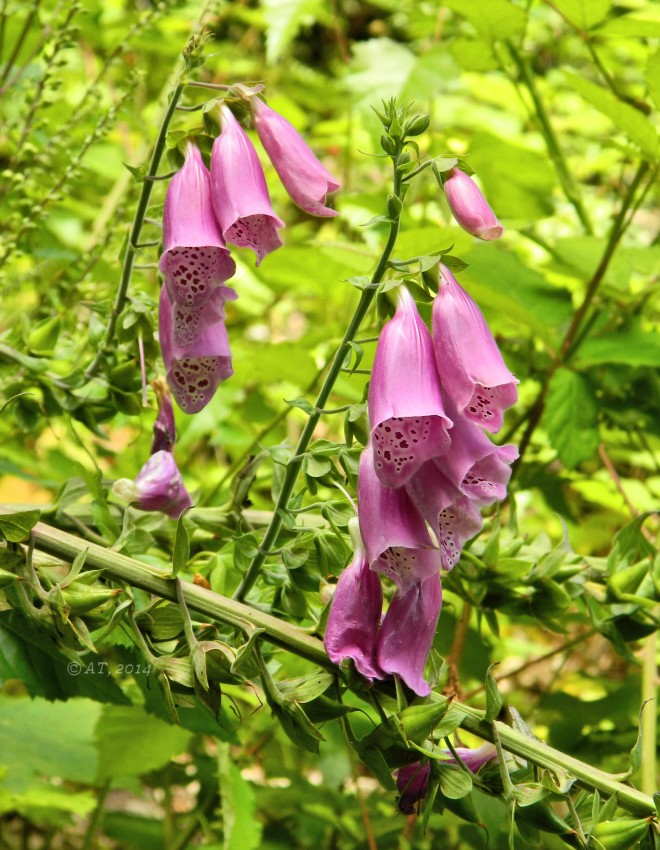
(203, 212)
(426, 473)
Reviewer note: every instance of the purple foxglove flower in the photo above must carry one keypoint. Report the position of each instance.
(394, 533)
(472, 371)
(408, 421)
(474, 759)
(480, 469)
(412, 783)
(355, 613)
(164, 428)
(407, 631)
(453, 516)
(240, 195)
(303, 176)
(195, 258)
(469, 207)
(195, 370)
(158, 487)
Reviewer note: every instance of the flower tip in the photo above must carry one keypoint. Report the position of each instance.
(490, 234)
(126, 490)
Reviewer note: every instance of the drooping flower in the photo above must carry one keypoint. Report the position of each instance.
(471, 368)
(355, 613)
(408, 420)
(303, 176)
(469, 207)
(407, 631)
(475, 465)
(240, 195)
(195, 348)
(195, 258)
(453, 516)
(412, 782)
(394, 533)
(164, 429)
(157, 487)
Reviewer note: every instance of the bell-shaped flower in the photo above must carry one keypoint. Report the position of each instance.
(407, 632)
(195, 369)
(469, 207)
(471, 368)
(408, 420)
(479, 468)
(303, 176)
(240, 195)
(355, 613)
(412, 783)
(195, 258)
(164, 428)
(475, 759)
(453, 516)
(395, 537)
(158, 487)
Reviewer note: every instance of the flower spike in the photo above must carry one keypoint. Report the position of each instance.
(303, 176)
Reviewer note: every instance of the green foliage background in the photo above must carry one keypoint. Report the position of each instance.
(554, 104)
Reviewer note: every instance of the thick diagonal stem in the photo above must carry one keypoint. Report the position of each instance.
(120, 567)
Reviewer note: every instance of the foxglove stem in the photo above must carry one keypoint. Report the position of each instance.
(294, 465)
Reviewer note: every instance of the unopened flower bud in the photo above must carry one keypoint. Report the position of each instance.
(469, 207)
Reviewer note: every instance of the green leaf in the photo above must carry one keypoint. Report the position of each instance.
(583, 13)
(283, 19)
(652, 75)
(302, 404)
(306, 688)
(241, 829)
(493, 696)
(633, 348)
(17, 526)
(570, 417)
(181, 552)
(494, 20)
(626, 118)
(418, 721)
(131, 742)
(454, 781)
(375, 761)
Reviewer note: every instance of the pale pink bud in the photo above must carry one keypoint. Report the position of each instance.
(469, 207)
(158, 487)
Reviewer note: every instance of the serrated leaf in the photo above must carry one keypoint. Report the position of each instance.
(17, 526)
(625, 118)
(571, 417)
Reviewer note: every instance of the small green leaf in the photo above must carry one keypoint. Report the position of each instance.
(493, 696)
(17, 526)
(301, 404)
(454, 781)
(181, 551)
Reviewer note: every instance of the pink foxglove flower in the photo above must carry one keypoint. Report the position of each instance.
(408, 421)
(240, 195)
(196, 353)
(471, 368)
(412, 783)
(406, 634)
(453, 516)
(164, 429)
(303, 176)
(479, 468)
(195, 258)
(394, 533)
(158, 487)
(469, 207)
(355, 613)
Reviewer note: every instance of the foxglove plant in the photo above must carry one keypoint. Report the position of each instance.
(472, 371)
(355, 613)
(195, 348)
(303, 176)
(406, 410)
(469, 207)
(195, 258)
(239, 192)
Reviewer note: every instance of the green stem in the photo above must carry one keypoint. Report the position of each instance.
(294, 465)
(233, 613)
(136, 230)
(551, 141)
(96, 815)
(568, 347)
(19, 42)
(648, 779)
